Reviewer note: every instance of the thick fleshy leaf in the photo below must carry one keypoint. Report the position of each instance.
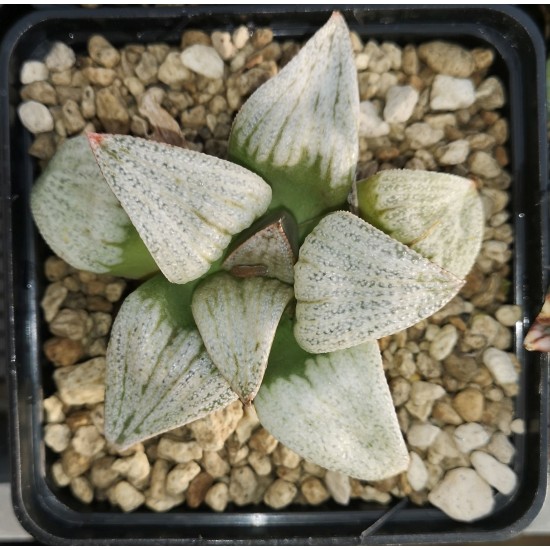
(159, 374)
(354, 283)
(334, 410)
(271, 250)
(237, 319)
(438, 215)
(185, 205)
(81, 219)
(299, 130)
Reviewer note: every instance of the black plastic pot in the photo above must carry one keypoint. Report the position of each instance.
(52, 515)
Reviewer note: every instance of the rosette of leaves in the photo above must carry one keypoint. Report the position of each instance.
(236, 312)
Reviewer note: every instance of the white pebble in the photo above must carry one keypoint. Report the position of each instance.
(426, 392)
(495, 473)
(450, 93)
(463, 495)
(444, 342)
(454, 153)
(361, 61)
(422, 434)
(35, 117)
(127, 496)
(223, 45)
(508, 315)
(370, 123)
(400, 103)
(421, 134)
(518, 426)
(470, 436)
(33, 71)
(417, 474)
(338, 486)
(501, 448)
(240, 37)
(57, 437)
(483, 164)
(500, 366)
(60, 57)
(203, 60)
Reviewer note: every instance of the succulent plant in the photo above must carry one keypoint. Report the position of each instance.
(230, 316)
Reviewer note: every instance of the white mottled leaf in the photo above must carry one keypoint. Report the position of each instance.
(354, 283)
(299, 130)
(159, 374)
(271, 248)
(185, 205)
(81, 219)
(237, 319)
(335, 410)
(438, 215)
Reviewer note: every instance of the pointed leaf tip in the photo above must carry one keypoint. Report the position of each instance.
(354, 283)
(438, 215)
(335, 410)
(300, 129)
(159, 375)
(237, 319)
(185, 205)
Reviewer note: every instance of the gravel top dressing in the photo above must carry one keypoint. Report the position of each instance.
(452, 376)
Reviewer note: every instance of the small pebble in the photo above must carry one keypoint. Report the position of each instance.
(500, 365)
(60, 57)
(400, 103)
(370, 123)
(422, 434)
(217, 497)
(495, 473)
(463, 495)
(35, 117)
(445, 58)
(33, 71)
(280, 494)
(203, 60)
(127, 496)
(471, 436)
(314, 491)
(338, 486)
(450, 94)
(417, 474)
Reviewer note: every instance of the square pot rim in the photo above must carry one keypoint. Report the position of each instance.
(29, 22)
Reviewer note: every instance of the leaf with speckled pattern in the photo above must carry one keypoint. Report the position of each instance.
(334, 410)
(185, 205)
(299, 130)
(159, 375)
(237, 319)
(270, 244)
(438, 215)
(354, 283)
(81, 219)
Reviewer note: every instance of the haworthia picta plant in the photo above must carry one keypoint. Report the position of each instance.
(159, 375)
(333, 409)
(237, 319)
(354, 283)
(438, 215)
(82, 220)
(299, 130)
(185, 205)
